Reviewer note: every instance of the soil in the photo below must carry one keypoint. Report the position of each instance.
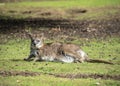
(71, 76)
(66, 28)
(16, 73)
(94, 76)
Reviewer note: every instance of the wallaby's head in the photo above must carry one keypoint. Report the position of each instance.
(36, 40)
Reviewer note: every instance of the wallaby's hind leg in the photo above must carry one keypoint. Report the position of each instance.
(29, 57)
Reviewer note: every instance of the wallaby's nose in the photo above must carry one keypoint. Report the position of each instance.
(34, 44)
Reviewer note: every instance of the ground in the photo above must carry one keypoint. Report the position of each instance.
(95, 27)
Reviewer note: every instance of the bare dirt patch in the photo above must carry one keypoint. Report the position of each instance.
(56, 28)
(71, 76)
(18, 73)
(60, 23)
(77, 11)
(94, 76)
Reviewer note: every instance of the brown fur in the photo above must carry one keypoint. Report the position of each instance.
(58, 51)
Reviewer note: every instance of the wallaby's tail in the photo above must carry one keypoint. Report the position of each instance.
(98, 61)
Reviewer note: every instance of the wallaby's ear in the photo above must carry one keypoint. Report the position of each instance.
(42, 36)
(29, 34)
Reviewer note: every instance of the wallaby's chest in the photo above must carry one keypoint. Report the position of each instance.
(34, 52)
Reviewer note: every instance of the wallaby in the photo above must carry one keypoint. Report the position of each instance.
(57, 51)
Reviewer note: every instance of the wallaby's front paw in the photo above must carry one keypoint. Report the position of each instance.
(25, 59)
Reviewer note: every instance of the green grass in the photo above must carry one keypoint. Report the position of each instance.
(96, 9)
(45, 80)
(69, 3)
(13, 52)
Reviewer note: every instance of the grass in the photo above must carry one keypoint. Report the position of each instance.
(68, 3)
(45, 80)
(13, 52)
(61, 9)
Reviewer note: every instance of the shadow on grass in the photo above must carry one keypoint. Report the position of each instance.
(20, 60)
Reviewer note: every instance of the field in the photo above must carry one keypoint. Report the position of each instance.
(14, 71)
(76, 10)
(94, 25)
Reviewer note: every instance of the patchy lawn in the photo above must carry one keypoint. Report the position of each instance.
(13, 52)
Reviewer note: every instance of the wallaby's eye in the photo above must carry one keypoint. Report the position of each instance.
(32, 41)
